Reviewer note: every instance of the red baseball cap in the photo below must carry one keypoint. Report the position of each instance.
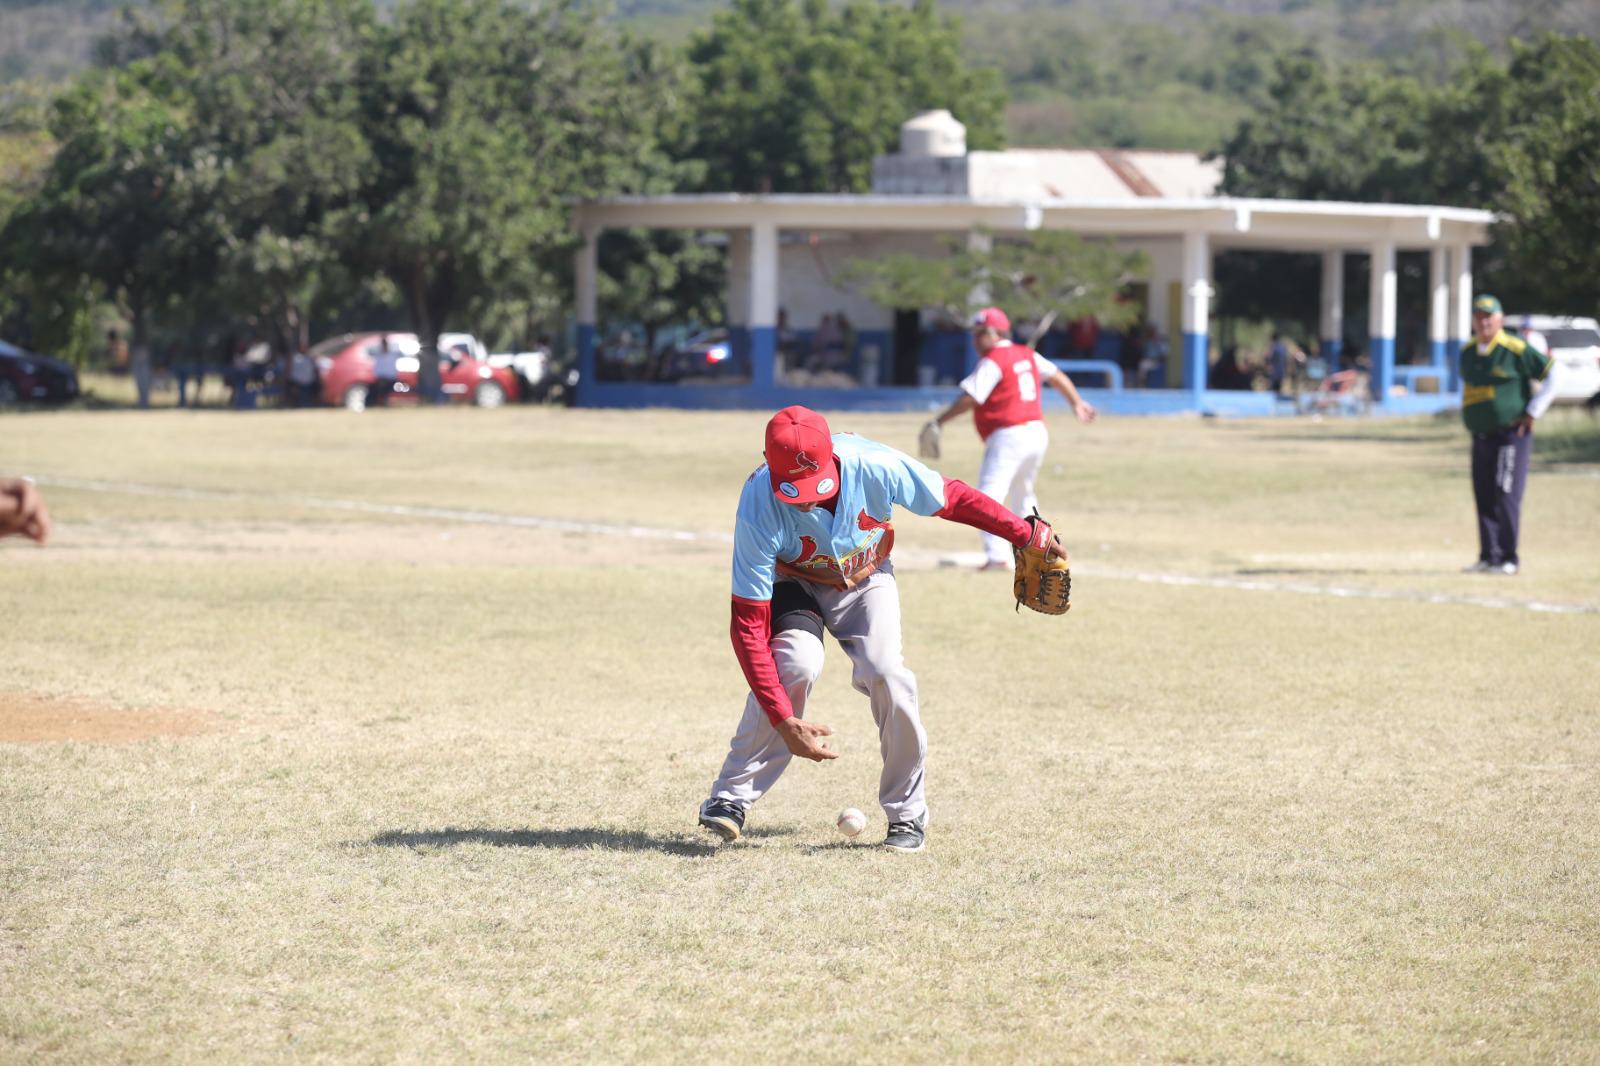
(992, 318)
(800, 456)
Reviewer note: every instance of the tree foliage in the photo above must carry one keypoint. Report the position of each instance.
(486, 119)
(124, 194)
(1549, 166)
(798, 96)
(1050, 272)
(270, 158)
(1521, 138)
(659, 278)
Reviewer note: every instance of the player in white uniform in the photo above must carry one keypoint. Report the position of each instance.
(811, 553)
(1003, 392)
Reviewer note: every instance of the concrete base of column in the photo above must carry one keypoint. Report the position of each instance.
(1381, 351)
(1331, 347)
(763, 355)
(586, 361)
(1196, 350)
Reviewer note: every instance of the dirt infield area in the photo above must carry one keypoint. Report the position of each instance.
(28, 719)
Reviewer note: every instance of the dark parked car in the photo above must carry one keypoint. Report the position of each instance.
(702, 355)
(26, 377)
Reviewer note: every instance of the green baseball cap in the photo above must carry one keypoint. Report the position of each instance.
(1486, 305)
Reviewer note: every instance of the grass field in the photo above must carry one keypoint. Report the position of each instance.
(340, 738)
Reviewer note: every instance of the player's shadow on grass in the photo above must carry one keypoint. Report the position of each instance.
(572, 839)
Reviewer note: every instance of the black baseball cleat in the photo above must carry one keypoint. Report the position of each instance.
(907, 836)
(724, 818)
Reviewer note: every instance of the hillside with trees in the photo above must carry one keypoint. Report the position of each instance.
(292, 167)
(1130, 73)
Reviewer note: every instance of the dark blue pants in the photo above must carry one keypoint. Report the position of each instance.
(1499, 474)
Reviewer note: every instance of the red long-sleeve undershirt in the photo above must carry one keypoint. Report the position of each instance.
(751, 629)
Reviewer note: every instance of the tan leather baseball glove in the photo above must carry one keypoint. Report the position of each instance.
(1043, 577)
(928, 440)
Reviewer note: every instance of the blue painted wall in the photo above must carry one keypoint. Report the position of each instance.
(1381, 351)
(1331, 349)
(763, 345)
(1196, 349)
(586, 371)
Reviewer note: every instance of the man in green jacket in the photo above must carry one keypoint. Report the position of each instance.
(1499, 405)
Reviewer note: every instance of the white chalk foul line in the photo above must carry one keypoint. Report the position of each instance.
(442, 514)
(563, 525)
(1343, 591)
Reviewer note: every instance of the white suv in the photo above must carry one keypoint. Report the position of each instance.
(1572, 342)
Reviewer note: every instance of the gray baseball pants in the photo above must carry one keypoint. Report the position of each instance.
(865, 621)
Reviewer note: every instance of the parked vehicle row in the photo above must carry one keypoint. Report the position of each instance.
(27, 377)
(1572, 342)
(348, 368)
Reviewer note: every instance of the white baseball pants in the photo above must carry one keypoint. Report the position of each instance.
(866, 622)
(1011, 460)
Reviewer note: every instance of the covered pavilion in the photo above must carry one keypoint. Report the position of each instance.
(784, 248)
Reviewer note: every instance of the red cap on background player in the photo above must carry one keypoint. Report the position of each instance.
(800, 456)
(992, 318)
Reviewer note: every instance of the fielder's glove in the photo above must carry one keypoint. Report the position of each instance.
(1043, 578)
(928, 440)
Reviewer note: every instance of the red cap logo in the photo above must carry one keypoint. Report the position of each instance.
(800, 456)
(992, 318)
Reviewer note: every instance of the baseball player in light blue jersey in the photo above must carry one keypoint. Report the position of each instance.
(811, 552)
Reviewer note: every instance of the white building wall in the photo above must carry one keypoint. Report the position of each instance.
(808, 287)
(1166, 271)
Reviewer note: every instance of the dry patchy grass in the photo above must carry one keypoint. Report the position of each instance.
(444, 808)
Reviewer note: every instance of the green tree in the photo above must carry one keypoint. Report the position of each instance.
(660, 277)
(486, 119)
(797, 96)
(1048, 274)
(1548, 164)
(1521, 138)
(276, 106)
(122, 199)
(1353, 133)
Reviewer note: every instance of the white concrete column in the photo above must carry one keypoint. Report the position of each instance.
(1332, 335)
(1461, 255)
(1461, 311)
(1439, 304)
(1381, 317)
(763, 274)
(738, 277)
(980, 242)
(1196, 309)
(586, 273)
(763, 305)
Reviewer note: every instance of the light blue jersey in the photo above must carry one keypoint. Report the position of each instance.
(841, 548)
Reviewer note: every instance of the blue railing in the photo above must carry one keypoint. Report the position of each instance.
(1076, 367)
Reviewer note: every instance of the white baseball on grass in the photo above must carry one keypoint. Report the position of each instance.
(851, 821)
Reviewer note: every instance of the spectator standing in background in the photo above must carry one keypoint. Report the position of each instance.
(826, 343)
(1083, 336)
(1131, 353)
(1498, 407)
(385, 372)
(303, 379)
(116, 352)
(139, 362)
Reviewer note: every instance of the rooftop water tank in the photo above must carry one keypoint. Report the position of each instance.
(933, 133)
